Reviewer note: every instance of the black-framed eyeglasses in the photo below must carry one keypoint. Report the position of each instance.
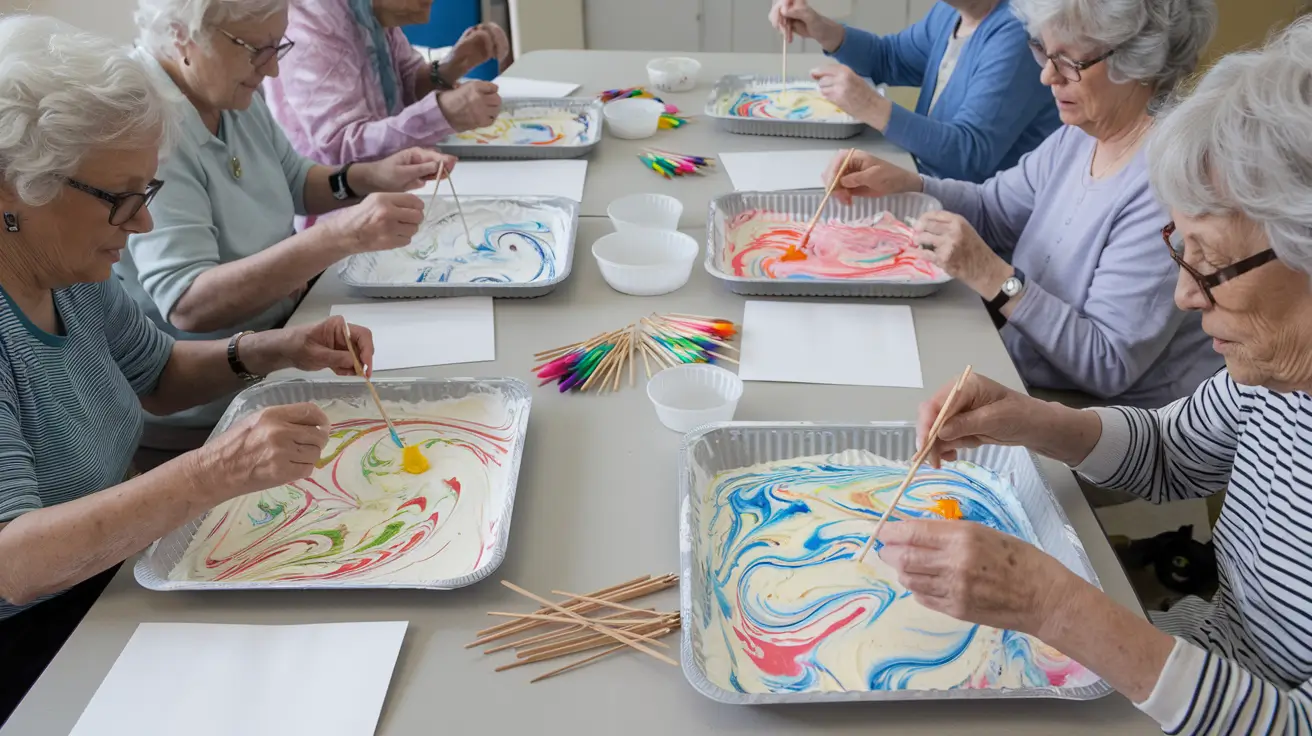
(1208, 281)
(123, 206)
(262, 55)
(1069, 68)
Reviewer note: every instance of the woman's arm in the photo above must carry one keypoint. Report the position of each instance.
(899, 59)
(1003, 97)
(1000, 208)
(47, 550)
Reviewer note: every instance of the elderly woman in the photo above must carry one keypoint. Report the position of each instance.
(357, 91)
(81, 123)
(223, 256)
(1065, 247)
(1234, 165)
(981, 106)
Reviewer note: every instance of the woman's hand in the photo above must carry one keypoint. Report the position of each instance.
(988, 413)
(403, 170)
(274, 446)
(798, 17)
(867, 175)
(476, 45)
(977, 574)
(845, 88)
(953, 245)
(308, 348)
(380, 222)
(472, 106)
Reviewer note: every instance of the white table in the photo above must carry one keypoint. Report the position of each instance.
(614, 169)
(595, 506)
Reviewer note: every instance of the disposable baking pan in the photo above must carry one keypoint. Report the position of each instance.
(589, 110)
(732, 85)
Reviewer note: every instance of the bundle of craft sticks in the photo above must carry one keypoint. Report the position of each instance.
(662, 341)
(579, 624)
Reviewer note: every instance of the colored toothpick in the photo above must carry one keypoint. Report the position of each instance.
(412, 459)
(798, 253)
(662, 340)
(918, 460)
(670, 164)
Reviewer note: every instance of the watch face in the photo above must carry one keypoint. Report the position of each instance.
(1011, 287)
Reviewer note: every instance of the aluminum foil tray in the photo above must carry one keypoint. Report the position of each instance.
(734, 84)
(357, 271)
(589, 108)
(715, 448)
(801, 204)
(153, 568)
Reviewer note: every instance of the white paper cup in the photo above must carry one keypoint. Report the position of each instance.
(646, 262)
(688, 396)
(633, 118)
(656, 211)
(673, 73)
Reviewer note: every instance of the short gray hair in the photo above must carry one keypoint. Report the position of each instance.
(1242, 144)
(163, 24)
(65, 93)
(1156, 41)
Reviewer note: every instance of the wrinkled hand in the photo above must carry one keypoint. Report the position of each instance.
(274, 446)
(380, 222)
(472, 106)
(406, 170)
(476, 45)
(845, 88)
(797, 17)
(323, 345)
(867, 175)
(973, 573)
(953, 245)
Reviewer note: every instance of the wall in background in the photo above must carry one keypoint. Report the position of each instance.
(111, 18)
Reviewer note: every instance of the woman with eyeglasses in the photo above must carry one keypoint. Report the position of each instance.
(81, 127)
(980, 108)
(1065, 248)
(1233, 164)
(224, 257)
(356, 90)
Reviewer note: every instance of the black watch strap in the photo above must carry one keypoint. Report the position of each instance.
(435, 76)
(341, 187)
(998, 302)
(234, 359)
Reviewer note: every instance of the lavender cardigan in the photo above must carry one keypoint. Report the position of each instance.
(1098, 314)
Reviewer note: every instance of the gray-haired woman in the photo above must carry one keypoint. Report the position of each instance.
(224, 256)
(1234, 165)
(81, 124)
(1063, 247)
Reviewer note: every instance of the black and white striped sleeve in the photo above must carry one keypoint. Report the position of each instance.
(1183, 450)
(1200, 693)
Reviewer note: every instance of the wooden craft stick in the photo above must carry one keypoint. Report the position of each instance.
(561, 619)
(600, 602)
(646, 364)
(622, 635)
(569, 630)
(579, 663)
(437, 183)
(633, 348)
(350, 346)
(615, 634)
(828, 191)
(460, 211)
(599, 594)
(592, 641)
(647, 586)
(917, 461)
(783, 77)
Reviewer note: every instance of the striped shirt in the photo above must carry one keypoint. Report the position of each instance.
(69, 414)
(1242, 662)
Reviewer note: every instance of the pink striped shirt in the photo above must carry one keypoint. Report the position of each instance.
(327, 95)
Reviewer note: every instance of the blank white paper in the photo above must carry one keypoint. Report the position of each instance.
(220, 680)
(839, 344)
(553, 178)
(423, 332)
(775, 171)
(511, 87)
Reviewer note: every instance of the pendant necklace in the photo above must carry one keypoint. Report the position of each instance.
(234, 163)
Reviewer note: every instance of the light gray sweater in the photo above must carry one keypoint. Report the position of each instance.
(1098, 314)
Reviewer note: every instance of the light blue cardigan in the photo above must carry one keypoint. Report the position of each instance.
(993, 110)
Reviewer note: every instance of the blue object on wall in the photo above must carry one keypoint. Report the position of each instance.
(449, 19)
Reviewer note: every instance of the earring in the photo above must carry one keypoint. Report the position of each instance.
(11, 222)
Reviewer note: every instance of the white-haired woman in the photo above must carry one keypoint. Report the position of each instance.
(224, 256)
(1234, 165)
(1064, 247)
(81, 124)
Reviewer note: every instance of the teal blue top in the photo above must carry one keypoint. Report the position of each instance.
(70, 418)
(206, 216)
